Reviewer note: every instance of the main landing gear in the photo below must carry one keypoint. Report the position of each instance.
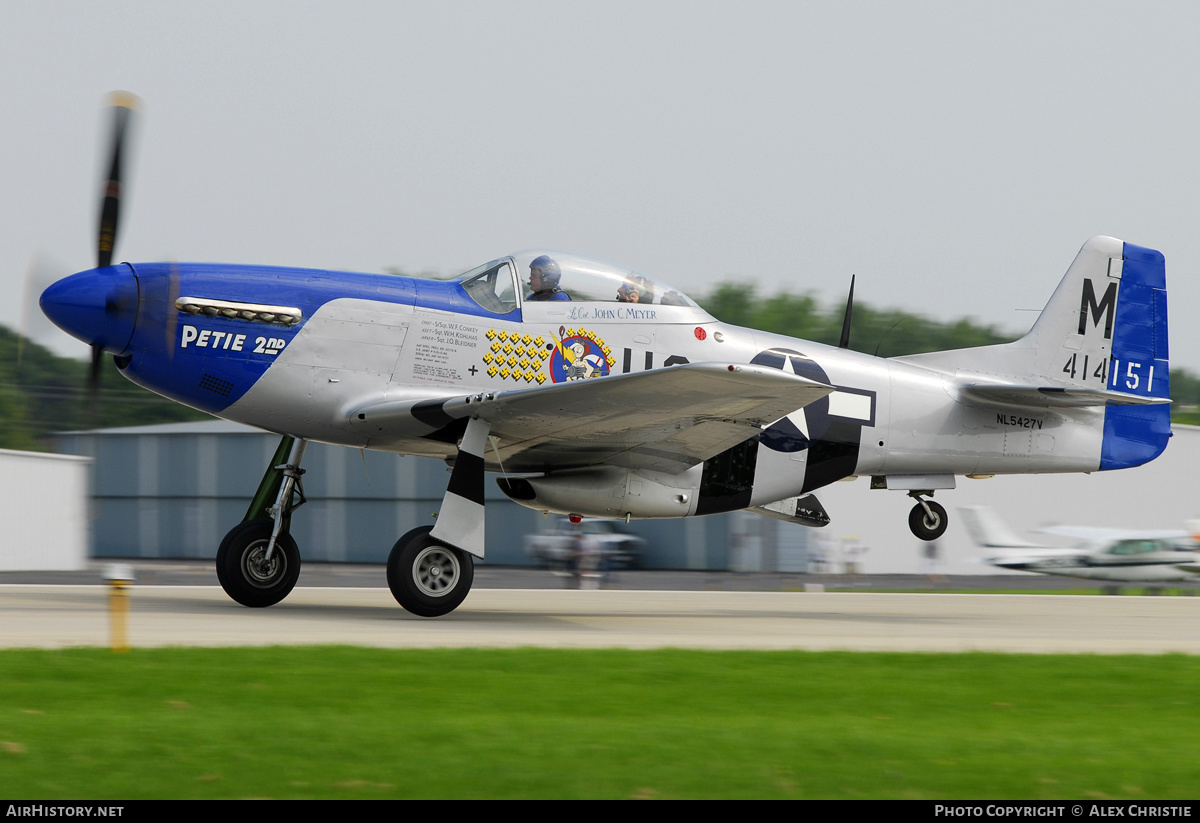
(426, 577)
(258, 562)
(927, 519)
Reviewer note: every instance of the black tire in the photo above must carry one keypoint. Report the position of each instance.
(241, 572)
(928, 526)
(426, 577)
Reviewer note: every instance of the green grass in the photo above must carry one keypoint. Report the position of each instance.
(341, 722)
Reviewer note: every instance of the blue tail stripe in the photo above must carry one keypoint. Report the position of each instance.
(1134, 435)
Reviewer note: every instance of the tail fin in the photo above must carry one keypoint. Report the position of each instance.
(1105, 329)
(1101, 341)
(988, 530)
(1110, 310)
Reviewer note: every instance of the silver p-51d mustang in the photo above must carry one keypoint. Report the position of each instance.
(600, 392)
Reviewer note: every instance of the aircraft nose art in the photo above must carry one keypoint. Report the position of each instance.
(97, 306)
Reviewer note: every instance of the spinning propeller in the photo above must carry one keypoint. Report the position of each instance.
(99, 306)
(122, 108)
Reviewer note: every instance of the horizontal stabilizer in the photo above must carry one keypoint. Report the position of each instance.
(988, 530)
(1052, 396)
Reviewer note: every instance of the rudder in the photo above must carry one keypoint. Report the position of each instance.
(1134, 435)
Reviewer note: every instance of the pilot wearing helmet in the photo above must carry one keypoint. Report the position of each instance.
(635, 289)
(544, 275)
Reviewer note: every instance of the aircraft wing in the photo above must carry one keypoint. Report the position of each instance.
(1051, 396)
(664, 419)
(1099, 534)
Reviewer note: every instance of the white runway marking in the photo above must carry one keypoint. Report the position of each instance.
(59, 616)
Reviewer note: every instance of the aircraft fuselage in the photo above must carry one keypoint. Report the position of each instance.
(365, 339)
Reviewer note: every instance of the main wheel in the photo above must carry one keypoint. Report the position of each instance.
(929, 526)
(247, 575)
(426, 577)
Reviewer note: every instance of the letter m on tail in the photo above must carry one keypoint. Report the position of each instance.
(1089, 306)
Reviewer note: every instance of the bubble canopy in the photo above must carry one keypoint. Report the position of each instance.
(499, 285)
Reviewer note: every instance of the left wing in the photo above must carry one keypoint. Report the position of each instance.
(1052, 396)
(666, 419)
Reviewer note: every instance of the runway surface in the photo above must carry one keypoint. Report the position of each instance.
(54, 616)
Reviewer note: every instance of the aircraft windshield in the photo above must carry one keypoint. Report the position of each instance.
(561, 276)
(491, 286)
(1137, 547)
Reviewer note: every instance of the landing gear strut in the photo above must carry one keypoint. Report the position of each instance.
(258, 562)
(426, 577)
(927, 519)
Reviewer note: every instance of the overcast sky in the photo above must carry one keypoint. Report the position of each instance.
(953, 155)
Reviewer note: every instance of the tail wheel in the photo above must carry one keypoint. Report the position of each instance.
(426, 577)
(247, 574)
(928, 525)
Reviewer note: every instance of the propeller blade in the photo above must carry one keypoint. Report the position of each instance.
(123, 106)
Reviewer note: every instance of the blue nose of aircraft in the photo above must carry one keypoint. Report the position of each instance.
(97, 306)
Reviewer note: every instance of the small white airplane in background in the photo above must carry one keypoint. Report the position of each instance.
(1115, 555)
